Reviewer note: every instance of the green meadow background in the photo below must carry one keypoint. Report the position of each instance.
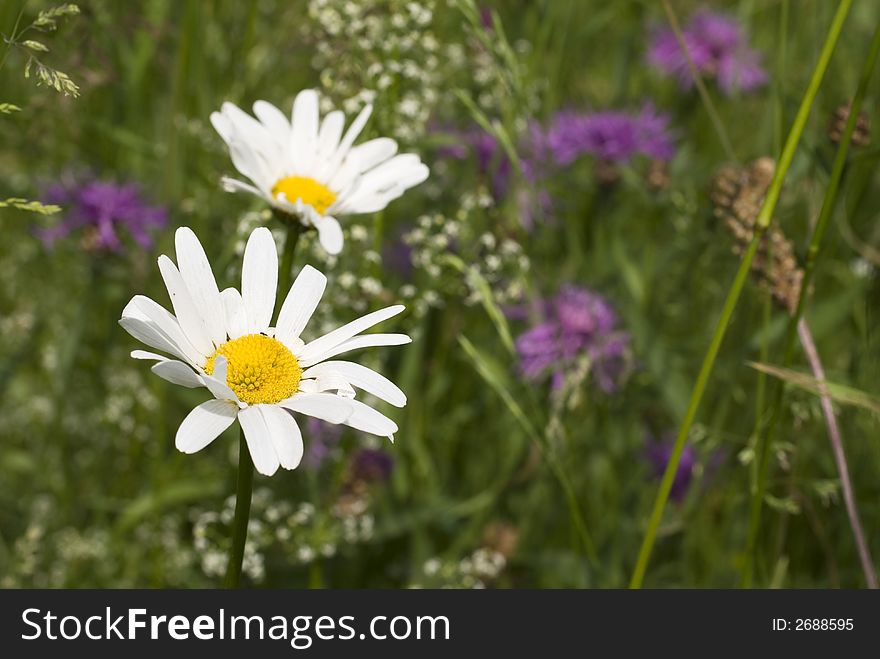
(493, 473)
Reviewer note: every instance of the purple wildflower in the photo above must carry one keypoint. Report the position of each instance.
(658, 453)
(371, 466)
(718, 49)
(101, 208)
(576, 323)
(321, 438)
(491, 160)
(397, 254)
(486, 18)
(611, 136)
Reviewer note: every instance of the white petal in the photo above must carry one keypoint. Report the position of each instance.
(259, 279)
(329, 234)
(234, 185)
(152, 324)
(178, 373)
(362, 378)
(216, 382)
(347, 331)
(251, 132)
(328, 407)
(333, 382)
(304, 132)
(233, 311)
(360, 159)
(199, 278)
(308, 387)
(300, 304)
(371, 153)
(384, 183)
(350, 136)
(251, 163)
(390, 172)
(184, 308)
(223, 126)
(366, 419)
(273, 119)
(345, 179)
(358, 342)
(285, 434)
(328, 142)
(204, 424)
(259, 441)
(144, 354)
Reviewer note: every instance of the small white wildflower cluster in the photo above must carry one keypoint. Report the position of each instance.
(211, 539)
(485, 57)
(355, 278)
(128, 397)
(478, 570)
(438, 241)
(79, 552)
(24, 565)
(370, 49)
(300, 533)
(50, 556)
(164, 536)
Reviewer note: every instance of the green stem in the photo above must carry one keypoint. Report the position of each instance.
(245, 481)
(761, 224)
(316, 575)
(803, 113)
(828, 204)
(10, 40)
(693, 404)
(779, 95)
(698, 81)
(243, 491)
(285, 274)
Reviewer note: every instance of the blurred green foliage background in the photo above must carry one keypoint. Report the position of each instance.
(93, 492)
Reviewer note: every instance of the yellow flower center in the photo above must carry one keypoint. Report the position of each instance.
(316, 195)
(260, 369)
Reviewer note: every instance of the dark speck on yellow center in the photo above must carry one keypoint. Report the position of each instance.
(315, 194)
(260, 369)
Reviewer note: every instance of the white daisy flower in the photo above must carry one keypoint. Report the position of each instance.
(258, 373)
(308, 168)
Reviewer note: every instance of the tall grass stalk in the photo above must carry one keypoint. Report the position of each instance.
(763, 221)
(825, 213)
(849, 500)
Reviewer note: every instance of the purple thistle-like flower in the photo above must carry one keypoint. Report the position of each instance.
(610, 135)
(576, 323)
(658, 453)
(102, 208)
(718, 50)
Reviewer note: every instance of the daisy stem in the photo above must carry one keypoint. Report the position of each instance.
(243, 490)
(285, 275)
(765, 214)
(828, 205)
(245, 481)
